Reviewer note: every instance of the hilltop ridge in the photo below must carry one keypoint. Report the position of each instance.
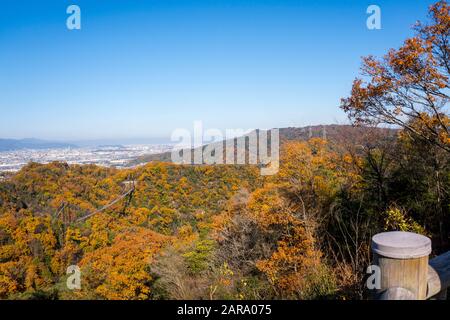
(335, 133)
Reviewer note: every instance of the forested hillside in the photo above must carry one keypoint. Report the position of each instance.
(166, 231)
(210, 232)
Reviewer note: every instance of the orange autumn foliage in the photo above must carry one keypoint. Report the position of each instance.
(121, 271)
(408, 87)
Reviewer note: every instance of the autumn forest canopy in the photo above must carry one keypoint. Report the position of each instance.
(225, 231)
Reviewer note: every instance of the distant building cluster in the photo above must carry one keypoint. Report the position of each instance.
(108, 156)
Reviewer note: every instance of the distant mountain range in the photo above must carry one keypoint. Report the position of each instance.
(20, 144)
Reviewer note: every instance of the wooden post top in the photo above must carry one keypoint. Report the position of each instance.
(401, 245)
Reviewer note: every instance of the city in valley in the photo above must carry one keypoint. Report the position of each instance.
(111, 156)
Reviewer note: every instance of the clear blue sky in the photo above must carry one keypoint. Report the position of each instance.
(144, 68)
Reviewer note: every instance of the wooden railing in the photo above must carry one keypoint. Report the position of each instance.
(405, 271)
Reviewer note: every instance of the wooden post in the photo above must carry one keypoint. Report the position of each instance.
(403, 261)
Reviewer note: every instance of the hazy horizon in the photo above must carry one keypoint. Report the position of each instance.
(96, 142)
(138, 140)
